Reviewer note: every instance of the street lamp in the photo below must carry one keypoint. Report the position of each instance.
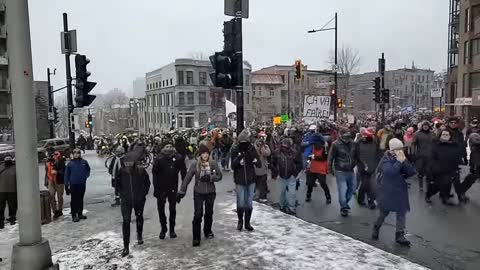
(334, 97)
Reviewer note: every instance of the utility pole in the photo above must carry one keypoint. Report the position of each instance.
(381, 69)
(71, 134)
(32, 252)
(239, 57)
(51, 103)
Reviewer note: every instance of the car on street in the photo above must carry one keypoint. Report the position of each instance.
(57, 144)
(6, 149)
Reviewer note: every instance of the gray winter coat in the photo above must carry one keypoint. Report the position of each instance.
(201, 187)
(8, 179)
(263, 152)
(423, 142)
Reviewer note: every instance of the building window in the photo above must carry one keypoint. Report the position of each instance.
(189, 122)
(247, 99)
(203, 78)
(170, 100)
(181, 98)
(180, 80)
(466, 52)
(171, 82)
(272, 92)
(247, 80)
(202, 97)
(190, 99)
(475, 47)
(202, 119)
(475, 80)
(189, 77)
(167, 82)
(468, 21)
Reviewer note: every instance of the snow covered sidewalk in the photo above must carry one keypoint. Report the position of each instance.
(278, 242)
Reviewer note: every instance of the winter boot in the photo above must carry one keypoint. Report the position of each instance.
(2, 224)
(309, 197)
(248, 216)
(56, 215)
(172, 231)
(12, 220)
(139, 238)
(400, 239)
(196, 242)
(75, 218)
(376, 232)
(329, 198)
(139, 231)
(344, 212)
(126, 249)
(240, 212)
(463, 198)
(372, 205)
(163, 232)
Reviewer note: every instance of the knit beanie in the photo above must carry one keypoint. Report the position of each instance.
(395, 144)
(203, 149)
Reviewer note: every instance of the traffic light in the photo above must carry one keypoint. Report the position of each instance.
(90, 121)
(82, 85)
(298, 70)
(386, 96)
(55, 115)
(87, 124)
(333, 92)
(339, 103)
(222, 75)
(376, 90)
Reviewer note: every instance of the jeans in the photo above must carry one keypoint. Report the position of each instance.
(56, 189)
(345, 185)
(288, 193)
(400, 223)
(198, 202)
(216, 154)
(245, 196)
(77, 193)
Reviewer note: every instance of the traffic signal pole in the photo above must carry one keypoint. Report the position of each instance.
(382, 77)
(32, 252)
(239, 86)
(335, 75)
(71, 134)
(51, 122)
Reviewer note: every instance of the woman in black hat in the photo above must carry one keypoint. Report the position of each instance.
(206, 173)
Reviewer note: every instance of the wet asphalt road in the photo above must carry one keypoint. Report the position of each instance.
(443, 237)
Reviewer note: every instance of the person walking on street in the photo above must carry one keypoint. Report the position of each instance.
(227, 143)
(340, 164)
(76, 174)
(287, 164)
(8, 191)
(316, 167)
(446, 159)
(55, 174)
(261, 173)
(366, 156)
(114, 171)
(474, 141)
(82, 143)
(393, 191)
(422, 144)
(166, 167)
(244, 160)
(206, 172)
(133, 184)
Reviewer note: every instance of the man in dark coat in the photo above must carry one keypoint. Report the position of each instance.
(422, 143)
(166, 167)
(133, 184)
(8, 191)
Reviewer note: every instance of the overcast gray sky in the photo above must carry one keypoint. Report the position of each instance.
(125, 39)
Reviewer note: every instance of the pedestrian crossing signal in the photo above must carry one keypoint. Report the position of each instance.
(87, 124)
(339, 103)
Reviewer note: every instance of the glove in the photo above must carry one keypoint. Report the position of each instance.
(242, 162)
(67, 190)
(180, 197)
(206, 178)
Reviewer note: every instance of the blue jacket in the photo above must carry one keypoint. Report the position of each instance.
(393, 191)
(77, 172)
(308, 141)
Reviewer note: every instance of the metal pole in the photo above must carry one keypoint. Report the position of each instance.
(71, 134)
(334, 101)
(441, 97)
(50, 105)
(382, 75)
(288, 95)
(239, 87)
(32, 251)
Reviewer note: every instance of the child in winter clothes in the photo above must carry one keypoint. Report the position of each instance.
(408, 142)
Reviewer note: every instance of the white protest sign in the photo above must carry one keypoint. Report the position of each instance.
(316, 107)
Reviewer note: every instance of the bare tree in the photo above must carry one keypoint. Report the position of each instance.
(348, 62)
(198, 55)
(61, 128)
(115, 97)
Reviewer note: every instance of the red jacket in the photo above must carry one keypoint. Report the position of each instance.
(318, 163)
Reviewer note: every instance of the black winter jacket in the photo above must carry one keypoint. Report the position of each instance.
(366, 155)
(133, 184)
(286, 163)
(165, 173)
(457, 136)
(446, 157)
(245, 174)
(423, 142)
(341, 156)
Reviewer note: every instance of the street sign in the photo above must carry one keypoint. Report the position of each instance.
(436, 93)
(233, 6)
(464, 101)
(284, 118)
(316, 108)
(69, 41)
(277, 120)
